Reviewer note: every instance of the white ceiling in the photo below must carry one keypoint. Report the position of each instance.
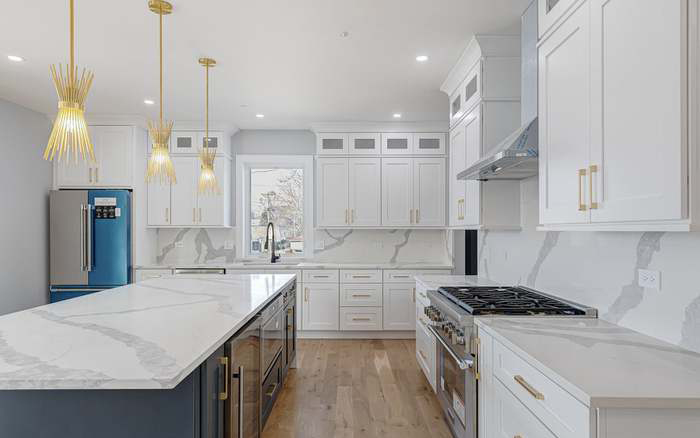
(283, 58)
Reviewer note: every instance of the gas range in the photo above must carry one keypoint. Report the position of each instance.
(450, 317)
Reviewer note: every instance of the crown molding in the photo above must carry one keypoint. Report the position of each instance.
(435, 126)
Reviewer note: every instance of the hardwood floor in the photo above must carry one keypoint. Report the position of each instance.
(356, 389)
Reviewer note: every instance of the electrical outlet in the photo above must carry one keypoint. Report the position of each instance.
(320, 245)
(180, 244)
(228, 244)
(649, 279)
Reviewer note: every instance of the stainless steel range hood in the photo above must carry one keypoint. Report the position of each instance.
(515, 159)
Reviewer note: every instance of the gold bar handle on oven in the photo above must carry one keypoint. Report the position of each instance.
(533, 392)
(581, 178)
(591, 170)
(224, 395)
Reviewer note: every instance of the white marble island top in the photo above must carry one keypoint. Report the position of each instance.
(148, 335)
(602, 364)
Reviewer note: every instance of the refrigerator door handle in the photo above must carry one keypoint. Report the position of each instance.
(83, 263)
(88, 249)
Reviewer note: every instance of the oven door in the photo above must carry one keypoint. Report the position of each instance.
(457, 392)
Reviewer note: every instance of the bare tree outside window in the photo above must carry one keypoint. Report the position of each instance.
(277, 195)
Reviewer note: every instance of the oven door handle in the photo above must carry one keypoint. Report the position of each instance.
(464, 364)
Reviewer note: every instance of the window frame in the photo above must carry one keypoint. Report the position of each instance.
(244, 163)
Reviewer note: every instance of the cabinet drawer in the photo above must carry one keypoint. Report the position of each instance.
(147, 274)
(426, 353)
(360, 318)
(360, 276)
(320, 276)
(556, 408)
(512, 419)
(364, 295)
(407, 276)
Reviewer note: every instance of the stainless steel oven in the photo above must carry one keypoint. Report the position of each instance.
(273, 333)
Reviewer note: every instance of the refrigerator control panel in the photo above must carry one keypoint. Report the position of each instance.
(107, 212)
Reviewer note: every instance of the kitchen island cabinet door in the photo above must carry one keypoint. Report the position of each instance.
(321, 306)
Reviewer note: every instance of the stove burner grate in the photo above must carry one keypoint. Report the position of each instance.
(480, 300)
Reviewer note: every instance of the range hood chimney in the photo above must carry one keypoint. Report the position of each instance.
(515, 158)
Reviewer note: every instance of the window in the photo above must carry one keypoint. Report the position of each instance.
(278, 190)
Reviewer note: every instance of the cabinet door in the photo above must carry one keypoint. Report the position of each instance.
(429, 191)
(73, 174)
(321, 306)
(365, 144)
(549, 11)
(184, 192)
(400, 306)
(216, 141)
(564, 90)
(332, 192)
(184, 142)
(429, 144)
(211, 209)
(114, 153)
(212, 383)
(159, 212)
(365, 191)
(397, 192)
(397, 144)
(638, 146)
(471, 208)
(471, 87)
(332, 144)
(458, 160)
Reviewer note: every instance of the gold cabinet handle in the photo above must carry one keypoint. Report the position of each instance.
(346, 216)
(224, 395)
(592, 169)
(306, 294)
(97, 174)
(581, 178)
(411, 216)
(352, 215)
(361, 296)
(533, 392)
(517, 436)
(417, 215)
(422, 355)
(90, 174)
(361, 319)
(167, 214)
(200, 214)
(476, 346)
(194, 215)
(413, 296)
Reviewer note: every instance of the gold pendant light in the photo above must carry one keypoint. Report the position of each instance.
(69, 135)
(159, 164)
(207, 178)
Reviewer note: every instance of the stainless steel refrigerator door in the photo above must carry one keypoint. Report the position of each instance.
(243, 403)
(68, 234)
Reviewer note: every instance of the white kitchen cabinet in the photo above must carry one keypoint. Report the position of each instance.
(215, 209)
(551, 11)
(114, 160)
(332, 192)
(184, 191)
(360, 319)
(458, 159)
(564, 110)
(364, 191)
(332, 144)
(321, 306)
(148, 274)
(397, 143)
(428, 191)
(361, 295)
(397, 192)
(429, 144)
(159, 212)
(399, 306)
(608, 161)
(364, 144)
(183, 142)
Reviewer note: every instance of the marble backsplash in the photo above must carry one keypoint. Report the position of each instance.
(600, 270)
(218, 246)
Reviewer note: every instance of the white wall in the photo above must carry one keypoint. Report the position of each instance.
(600, 269)
(25, 179)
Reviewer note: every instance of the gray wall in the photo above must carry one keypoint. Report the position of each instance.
(25, 179)
(278, 142)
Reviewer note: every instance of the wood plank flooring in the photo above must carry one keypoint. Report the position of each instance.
(356, 389)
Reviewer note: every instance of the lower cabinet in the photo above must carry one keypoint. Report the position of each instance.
(360, 318)
(400, 306)
(212, 376)
(320, 306)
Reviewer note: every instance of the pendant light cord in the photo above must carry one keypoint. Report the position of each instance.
(206, 110)
(72, 41)
(161, 63)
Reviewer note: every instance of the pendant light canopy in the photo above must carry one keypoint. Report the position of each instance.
(69, 136)
(207, 178)
(160, 166)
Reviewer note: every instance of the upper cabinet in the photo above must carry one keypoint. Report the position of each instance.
(550, 11)
(385, 143)
(397, 143)
(114, 148)
(348, 192)
(617, 139)
(332, 144)
(364, 144)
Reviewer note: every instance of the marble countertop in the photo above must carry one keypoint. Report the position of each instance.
(148, 335)
(433, 282)
(602, 364)
(306, 265)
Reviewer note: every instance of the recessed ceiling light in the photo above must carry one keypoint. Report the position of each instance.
(148, 102)
(397, 115)
(422, 58)
(15, 58)
(260, 116)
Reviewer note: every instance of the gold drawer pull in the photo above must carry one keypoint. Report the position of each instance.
(361, 276)
(518, 436)
(592, 169)
(422, 355)
(535, 393)
(361, 319)
(581, 178)
(361, 296)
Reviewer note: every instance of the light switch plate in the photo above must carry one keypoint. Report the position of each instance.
(649, 279)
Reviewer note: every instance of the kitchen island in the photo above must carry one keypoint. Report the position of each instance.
(124, 362)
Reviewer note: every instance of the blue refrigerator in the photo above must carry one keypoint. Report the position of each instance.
(90, 247)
